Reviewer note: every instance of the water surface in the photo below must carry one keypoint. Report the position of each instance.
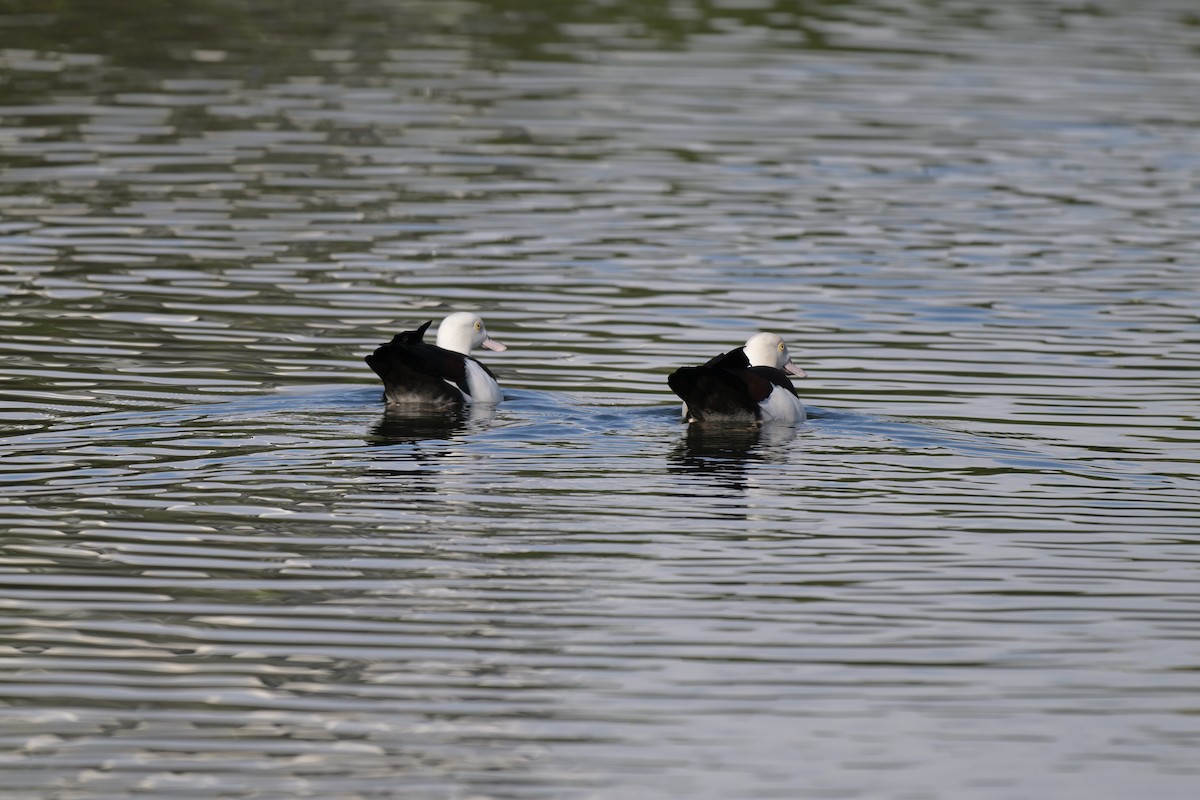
(226, 572)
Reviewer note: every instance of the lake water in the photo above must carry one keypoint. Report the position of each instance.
(974, 573)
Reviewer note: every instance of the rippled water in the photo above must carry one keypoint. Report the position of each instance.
(226, 573)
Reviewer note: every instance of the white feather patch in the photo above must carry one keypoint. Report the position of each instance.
(782, 406)
(483, 387)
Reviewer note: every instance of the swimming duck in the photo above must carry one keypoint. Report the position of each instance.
(442, 375)
(748, 384)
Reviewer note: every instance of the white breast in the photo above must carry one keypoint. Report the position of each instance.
(782, 406)
(482, 386)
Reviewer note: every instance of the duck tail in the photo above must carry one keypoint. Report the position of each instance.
(711, 392)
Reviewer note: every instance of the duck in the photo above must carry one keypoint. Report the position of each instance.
(748, 384)
(441, 376)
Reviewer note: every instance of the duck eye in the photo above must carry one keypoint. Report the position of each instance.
(478, 326)
(781, 347)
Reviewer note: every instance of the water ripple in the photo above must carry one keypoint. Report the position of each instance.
(228, 572)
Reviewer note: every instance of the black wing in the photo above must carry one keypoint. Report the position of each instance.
(413, 371)
(733, 360)
(714, 393)
(776, 376)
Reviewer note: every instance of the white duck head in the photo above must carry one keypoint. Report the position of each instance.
(463, 331)
(769, 350)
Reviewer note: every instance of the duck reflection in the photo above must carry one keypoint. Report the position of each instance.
(412, 426)
(420, 453)
(410, 429)
(724, 452)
